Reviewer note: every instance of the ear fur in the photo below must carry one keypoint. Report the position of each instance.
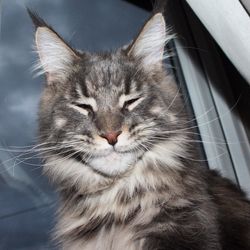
(149, 44)
(55, 55)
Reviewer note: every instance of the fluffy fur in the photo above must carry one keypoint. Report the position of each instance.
(148, 191)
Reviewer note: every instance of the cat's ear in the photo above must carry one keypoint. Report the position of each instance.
(149, 44)
(55, 55)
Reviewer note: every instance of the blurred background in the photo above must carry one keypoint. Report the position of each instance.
(215, 93)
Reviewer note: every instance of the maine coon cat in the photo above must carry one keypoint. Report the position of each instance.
(123, 152)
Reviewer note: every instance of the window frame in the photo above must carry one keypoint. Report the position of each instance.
(225, 140)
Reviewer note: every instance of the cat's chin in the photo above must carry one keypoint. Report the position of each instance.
(114, 163)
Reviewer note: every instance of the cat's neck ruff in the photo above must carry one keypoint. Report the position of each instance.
(146, 172)
(137, 194)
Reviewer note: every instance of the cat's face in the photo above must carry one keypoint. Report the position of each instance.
(106, 110)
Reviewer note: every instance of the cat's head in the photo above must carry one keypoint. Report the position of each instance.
(108, 111)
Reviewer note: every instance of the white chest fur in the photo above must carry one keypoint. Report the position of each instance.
(113, 239)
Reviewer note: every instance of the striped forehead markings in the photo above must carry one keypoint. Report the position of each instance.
(86, 100)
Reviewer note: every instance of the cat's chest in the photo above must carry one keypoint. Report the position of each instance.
(117, 237)
(116, 228)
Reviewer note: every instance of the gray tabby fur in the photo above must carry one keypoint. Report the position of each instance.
(149, 191)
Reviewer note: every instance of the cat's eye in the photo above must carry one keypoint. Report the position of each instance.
(84, 106)
(132, 103)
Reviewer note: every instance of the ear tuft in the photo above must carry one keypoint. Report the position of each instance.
(36, 19)
(55, 55)
(150, 43)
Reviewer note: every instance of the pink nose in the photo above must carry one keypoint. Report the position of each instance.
(111, 137)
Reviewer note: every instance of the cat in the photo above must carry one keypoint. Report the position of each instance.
(118, 144)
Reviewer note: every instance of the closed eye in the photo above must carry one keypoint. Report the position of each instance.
(84, 106)
(132, 103)
(127, 103)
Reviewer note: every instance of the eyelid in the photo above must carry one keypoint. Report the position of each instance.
(88, 107)
(132, 103)
(132, 100)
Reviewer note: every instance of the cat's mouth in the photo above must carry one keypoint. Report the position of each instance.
(107, 153)
(112, 151)
(113, 162)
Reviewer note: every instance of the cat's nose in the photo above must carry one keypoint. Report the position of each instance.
(111, 137)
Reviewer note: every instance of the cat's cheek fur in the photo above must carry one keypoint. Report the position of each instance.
(114, 163)
(59, 122)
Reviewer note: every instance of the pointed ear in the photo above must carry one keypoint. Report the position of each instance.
(55, 55)
(149, 44)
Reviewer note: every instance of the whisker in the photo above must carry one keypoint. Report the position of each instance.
(173, 100)
(186, 157)
(192, 140)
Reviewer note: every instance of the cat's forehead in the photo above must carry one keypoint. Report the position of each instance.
(109, 75)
